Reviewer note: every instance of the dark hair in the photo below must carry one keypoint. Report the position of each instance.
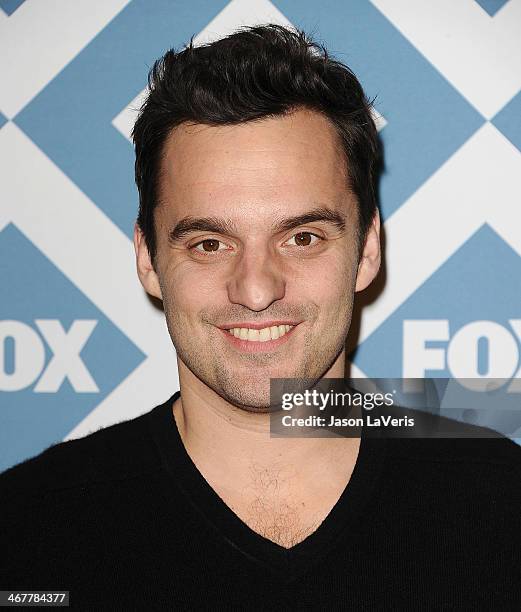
(256, 72)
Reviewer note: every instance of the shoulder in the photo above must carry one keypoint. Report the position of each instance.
(119, 451)
(494, 453)
(468, 465)
(438, 439)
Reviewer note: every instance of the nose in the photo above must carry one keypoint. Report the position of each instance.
(256, 280)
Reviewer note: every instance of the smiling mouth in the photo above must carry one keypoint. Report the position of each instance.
(260, 335)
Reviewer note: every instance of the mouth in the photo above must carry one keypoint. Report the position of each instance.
(259, 337)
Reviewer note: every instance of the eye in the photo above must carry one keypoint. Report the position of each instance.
(209, 245)
(304, 239)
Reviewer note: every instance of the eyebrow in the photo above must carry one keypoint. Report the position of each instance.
(216, 225)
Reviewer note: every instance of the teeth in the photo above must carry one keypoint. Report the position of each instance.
(253, 335)
(260, 335)
(264, 334)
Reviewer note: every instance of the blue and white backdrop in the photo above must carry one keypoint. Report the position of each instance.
(81, 346)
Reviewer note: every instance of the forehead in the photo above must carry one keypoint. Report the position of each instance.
(256, 168)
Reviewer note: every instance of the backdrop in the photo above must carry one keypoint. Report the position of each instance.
(80, 344)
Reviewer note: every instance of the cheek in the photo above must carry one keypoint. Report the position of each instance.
(326, 280)
(187, 288)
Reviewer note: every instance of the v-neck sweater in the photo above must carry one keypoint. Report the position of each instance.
(123, 519)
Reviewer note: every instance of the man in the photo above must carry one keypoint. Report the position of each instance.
(256, 159)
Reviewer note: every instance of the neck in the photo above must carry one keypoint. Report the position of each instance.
(230, 445)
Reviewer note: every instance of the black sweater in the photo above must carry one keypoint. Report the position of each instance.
(124, 520)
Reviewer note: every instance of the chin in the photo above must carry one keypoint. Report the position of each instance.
(252, 400)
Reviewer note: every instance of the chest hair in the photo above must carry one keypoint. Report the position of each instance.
(270, 507)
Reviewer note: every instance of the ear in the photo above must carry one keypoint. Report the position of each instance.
(145, 269)
(369, 263)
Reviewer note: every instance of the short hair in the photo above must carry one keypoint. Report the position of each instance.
(256, 72)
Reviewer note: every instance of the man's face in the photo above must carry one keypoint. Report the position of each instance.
(232, 253)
